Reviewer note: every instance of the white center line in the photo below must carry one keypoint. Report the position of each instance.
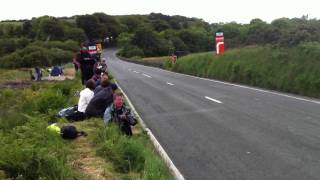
(136, 72)
(170, 84)
(214, 100)
(146, 75)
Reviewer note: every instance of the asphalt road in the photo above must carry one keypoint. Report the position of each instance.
(216, 130)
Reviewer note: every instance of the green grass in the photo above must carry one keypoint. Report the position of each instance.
(13, 75)
(293, 70)
(131, 155)
(157, 59)
(29, 151)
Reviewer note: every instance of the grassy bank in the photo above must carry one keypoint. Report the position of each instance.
(149, 61)
(293, 70)
(29, 151)
(14, 75)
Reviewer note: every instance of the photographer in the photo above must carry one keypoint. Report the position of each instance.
(120, 114)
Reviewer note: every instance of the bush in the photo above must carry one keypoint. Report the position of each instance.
(9, 106)
(131, 51)
(293, 70)
(31, 152)
(9, 45)
(125, 154)
(50, 100)
(132, 154)
(68, 45)
(36, 55)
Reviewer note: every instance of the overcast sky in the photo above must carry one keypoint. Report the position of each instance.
(241, 11)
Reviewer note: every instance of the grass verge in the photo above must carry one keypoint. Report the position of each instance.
(293, 70)
(29, 151)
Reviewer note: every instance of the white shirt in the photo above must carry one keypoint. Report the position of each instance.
(85, 97)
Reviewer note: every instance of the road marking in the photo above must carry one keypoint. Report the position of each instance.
(129, 69)
(136, 72)
(214, 100)
(146, 75)
(170, 84)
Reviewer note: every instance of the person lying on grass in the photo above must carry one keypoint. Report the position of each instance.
(120, 114)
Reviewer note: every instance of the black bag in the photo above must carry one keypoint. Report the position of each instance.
(70, 132)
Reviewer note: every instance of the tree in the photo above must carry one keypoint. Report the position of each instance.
(91, 26)
(50, 28)
(76, 34)
(111, 27)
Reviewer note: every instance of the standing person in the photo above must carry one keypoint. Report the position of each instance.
(38, 74)
(120, 114)
(86, 65)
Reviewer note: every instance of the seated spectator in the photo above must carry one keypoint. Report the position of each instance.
(56, 71)
(86, 95)
(120, 114)
(100, 67)
(101, 100)
(77, 112)
(105, 76)
(97, 78)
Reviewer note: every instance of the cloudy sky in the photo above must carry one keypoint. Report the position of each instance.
(241, 11)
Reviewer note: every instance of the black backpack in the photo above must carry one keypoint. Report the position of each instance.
(70, 132)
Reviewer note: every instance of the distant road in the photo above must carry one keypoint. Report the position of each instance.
(215, 130)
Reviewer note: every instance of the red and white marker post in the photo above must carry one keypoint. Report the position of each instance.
(219, 43)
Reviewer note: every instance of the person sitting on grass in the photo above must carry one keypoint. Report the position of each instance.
(77, 112)
(86, 95)
(105, 76)
(100, 101)
(120, 114)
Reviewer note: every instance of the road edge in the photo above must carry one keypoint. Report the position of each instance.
(173, 169)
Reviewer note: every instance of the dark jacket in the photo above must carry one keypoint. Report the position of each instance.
(100, 101)
(124, 118)
(99, 87)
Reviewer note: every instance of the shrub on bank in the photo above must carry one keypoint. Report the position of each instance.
(131, 51)
(32, 56)
(31, 152)
(27, 149)
(130, 154)
(294, 70)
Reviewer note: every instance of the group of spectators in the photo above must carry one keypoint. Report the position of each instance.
(101, 98)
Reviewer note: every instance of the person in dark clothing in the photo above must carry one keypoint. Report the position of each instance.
(100, 101)
(105, 76)
(56, 71)
(38, 74)
(86, 65)
(120, 114)
(86, 68)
